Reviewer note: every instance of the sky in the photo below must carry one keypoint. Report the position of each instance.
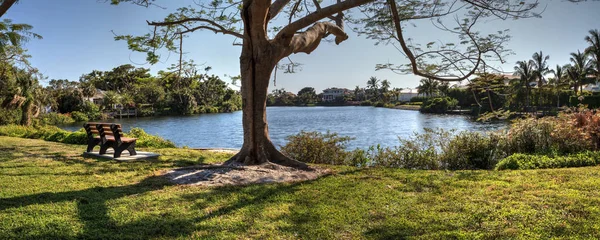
(78, 37)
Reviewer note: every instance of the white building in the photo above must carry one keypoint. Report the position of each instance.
(407, 94)
(592, 87)
(331, 94)
(98, 98)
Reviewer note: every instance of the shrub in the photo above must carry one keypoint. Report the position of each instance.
(379, 104)
(91, 110)
(547, 135)
(526, 161)
(208, 109)
(592, 101)
(472, 150)
(54, 119)
(79, 116)
(8, 116)
(438, 105)
(419, 99)
(55, 134)
(389, 105)
(422, 151)
(366, 103)
(146, 140)
(48, 133)
(316, 147)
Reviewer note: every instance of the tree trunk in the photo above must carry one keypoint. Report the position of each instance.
(26, 112)
(257, 61)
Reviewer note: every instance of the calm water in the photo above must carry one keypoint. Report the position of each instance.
(369, 125)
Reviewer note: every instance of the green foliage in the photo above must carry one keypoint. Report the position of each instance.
(91, 111)
(48, 133)
(547, 135)
(55, 134)
(591, 101)
(379, 104)
(79, 116)
(183, 102)
(9, 116)
(472, 150)
(418, 99)
(527, 161)
(438, 105)
(366, 103)
(209, 109)
(146, 140)
(55, 119)
(316, 147)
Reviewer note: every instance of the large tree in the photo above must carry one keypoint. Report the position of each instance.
(267, 39)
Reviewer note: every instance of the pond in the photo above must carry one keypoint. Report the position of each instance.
(368, 125)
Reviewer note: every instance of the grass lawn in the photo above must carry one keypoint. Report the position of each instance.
(47, 190)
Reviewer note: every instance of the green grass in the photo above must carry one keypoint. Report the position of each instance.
(48, 191)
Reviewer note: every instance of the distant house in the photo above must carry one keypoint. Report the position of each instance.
(407, 94)
(331, 94)
(98, 98)
(592, 87)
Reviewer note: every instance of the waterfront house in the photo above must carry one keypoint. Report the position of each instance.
(331, 94)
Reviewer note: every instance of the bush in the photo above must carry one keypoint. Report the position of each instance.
(548, 135)
(592, 101)
(48, 133)
(91, 110)
(472, 150)
(54, 119)
(378, 104)
(79, 116)
(525, 161)
(389, 105)
(419, 99)
(55, 134)
(422, 151)
(8, 116)
(208, 109)
(438, 105)
(366, 103)
(146, 140)
(316, 147)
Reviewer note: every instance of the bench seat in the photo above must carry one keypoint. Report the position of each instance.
(108, 135)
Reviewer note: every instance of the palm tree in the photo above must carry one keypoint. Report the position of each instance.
(428, 87)
(579, 70)
(373, 86)
(594, 50)
(525, 70)
(539, 62)
(357, 93)
(559, 75)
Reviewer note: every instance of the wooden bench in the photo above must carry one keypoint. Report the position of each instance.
(108, 135)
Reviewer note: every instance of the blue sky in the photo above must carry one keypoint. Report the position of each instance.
(78, 39)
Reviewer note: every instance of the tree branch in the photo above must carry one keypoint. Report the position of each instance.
(413, 59)
(289, 30)
(221, 29)
(6, 4)
(276, 8)
(309, 40)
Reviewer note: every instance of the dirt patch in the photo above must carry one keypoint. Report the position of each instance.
(216, 175)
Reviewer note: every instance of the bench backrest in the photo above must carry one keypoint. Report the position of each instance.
(99, 129)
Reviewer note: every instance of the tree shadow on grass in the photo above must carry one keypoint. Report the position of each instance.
(93, 213)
